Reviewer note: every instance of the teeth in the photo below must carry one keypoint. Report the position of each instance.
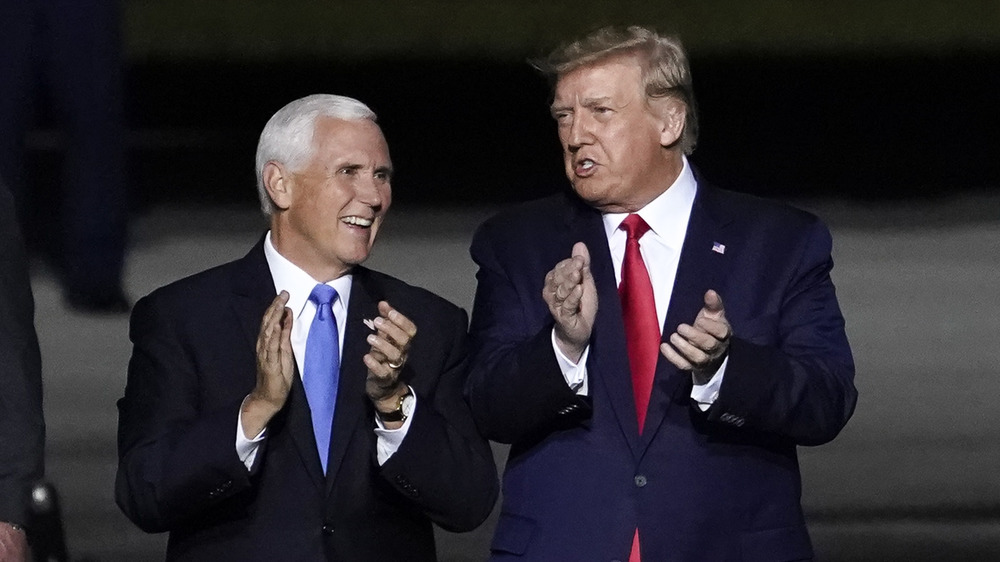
(587, 164)
(357, 221)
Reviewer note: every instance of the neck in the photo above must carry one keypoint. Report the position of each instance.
(305, 257)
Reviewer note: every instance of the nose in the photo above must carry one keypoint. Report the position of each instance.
(578, 133)
(373, 192)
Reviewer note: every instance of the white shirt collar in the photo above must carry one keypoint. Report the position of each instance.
(299, 284)
(667, 215)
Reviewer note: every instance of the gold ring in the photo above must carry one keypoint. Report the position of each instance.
(395, 365)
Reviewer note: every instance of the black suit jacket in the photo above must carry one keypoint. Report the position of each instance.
(22, 428)
(700, 486)
(193, 362)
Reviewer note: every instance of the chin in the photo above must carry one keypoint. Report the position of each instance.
(593, 194)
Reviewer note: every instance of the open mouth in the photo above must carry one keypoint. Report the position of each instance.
(357, 221)
(585, 167)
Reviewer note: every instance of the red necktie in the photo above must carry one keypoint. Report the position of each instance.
(642, 331)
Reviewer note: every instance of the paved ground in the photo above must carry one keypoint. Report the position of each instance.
(913, 477)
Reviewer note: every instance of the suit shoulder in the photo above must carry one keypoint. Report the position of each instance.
(527, 221)
(205, 285)
(416, 299)
(753, 210)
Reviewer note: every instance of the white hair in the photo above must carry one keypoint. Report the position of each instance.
(287, 137)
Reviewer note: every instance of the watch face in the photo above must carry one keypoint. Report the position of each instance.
(407, 405)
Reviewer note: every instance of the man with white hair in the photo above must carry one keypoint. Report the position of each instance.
(283, 406)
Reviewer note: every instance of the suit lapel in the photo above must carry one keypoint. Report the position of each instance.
(254, 291)
(607, 365)
(352, 401)
(253, 288)
(701, 267)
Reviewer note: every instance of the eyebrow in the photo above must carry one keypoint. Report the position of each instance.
(587, 102)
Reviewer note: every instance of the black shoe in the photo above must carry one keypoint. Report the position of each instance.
(107, 301)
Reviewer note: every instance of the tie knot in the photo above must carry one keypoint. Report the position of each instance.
(323, 294)
(634, 226)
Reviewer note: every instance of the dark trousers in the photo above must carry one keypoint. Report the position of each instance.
(71, 51)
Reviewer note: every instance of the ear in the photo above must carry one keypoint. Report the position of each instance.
(673, 115)
(278, 183)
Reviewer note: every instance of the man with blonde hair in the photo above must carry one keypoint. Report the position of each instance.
(653, 348)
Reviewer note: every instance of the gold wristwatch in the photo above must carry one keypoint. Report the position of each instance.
(404, 409)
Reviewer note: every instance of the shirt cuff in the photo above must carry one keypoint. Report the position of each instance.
(574, 373)
(389, 440)
(246, 449)
(706, 394)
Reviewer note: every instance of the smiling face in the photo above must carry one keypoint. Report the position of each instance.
(329, 212)
(618, 148)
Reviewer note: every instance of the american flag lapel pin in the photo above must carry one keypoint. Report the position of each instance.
(370, 324)
(718, 248)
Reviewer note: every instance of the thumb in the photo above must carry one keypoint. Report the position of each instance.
(713, 302)
(580, 250)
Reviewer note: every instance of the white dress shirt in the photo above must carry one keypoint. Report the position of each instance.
(667, 217)
(299, 285)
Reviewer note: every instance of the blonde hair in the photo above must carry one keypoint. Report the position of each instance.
(665, 70)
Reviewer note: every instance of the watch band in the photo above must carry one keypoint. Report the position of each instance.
(396, 415)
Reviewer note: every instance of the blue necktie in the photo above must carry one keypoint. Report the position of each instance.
(322, 367)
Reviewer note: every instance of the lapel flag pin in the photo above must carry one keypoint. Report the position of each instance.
(370, 324)
(718, 248)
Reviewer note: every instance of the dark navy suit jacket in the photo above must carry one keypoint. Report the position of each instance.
(700, 486)
(192, 364)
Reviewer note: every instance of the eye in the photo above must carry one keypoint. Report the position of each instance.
(348, 170)
(383, 176)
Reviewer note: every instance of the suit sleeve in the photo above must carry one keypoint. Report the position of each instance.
(22, 428)
(175, 460)
(443, 465)
(516, 388)
(795, 379)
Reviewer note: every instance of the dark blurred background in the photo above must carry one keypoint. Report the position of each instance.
(881, 117)
(798, 99)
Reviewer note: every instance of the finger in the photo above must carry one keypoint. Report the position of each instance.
(572, 302)
(398, 319)
(713, 302)
(698, 338)
(678, 361)
(274, 339)
(268, 325)
(383, 376)
(693, 354)
(581, 252)
(268, 320)
(389, 352)
(719, 330)
(568, 273)
(285, 344)
(394, 333)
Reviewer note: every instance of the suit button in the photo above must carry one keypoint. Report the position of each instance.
(640, 481)
(328, 529)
